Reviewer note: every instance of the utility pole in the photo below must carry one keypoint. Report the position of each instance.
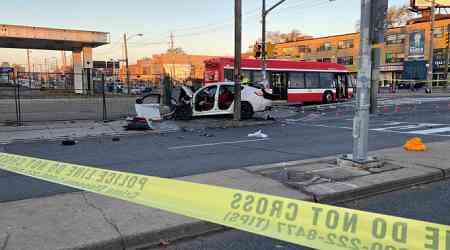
(28, 60)
(431, 46)
(447, 52)
(237, 58)
(127, 69)
(172, 43)
(29, 67)
(265, 12)
(378, 16)
(172, 52)
(361, 120)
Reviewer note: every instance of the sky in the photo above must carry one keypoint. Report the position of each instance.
(199, 26)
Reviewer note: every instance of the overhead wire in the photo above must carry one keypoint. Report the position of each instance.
(216, 27)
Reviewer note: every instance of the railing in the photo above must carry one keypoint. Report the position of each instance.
(47, 97)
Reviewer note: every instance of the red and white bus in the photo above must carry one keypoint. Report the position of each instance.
(294, 81)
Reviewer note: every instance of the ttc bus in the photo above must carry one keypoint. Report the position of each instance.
(294, 81)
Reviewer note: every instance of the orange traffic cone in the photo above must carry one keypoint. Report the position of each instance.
(415, 144)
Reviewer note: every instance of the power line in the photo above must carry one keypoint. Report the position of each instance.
(212, 28)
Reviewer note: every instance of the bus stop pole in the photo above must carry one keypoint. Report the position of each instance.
(361, 119)
(237, 58)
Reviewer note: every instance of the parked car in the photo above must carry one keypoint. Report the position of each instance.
(218, 99)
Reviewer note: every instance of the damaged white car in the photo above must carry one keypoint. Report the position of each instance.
(218, 99)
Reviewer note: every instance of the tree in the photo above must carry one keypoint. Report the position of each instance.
(396, 16)
(278, 37)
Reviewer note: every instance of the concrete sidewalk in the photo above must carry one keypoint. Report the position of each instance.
(74, 130)
(88, 221)
(81, 129)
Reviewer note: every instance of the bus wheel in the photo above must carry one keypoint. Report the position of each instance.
(327, 97)
(246, 110)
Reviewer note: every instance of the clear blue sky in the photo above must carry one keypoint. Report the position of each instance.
(200, 27)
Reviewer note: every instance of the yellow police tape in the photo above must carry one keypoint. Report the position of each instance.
(304, 223)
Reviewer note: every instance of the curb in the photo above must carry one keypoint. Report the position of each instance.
(197, 229)
(200, 228)
(360, 193)
(153, 239)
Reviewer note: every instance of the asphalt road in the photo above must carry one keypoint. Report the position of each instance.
(428, 203)
(316, 134)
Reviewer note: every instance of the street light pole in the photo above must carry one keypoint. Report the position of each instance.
(237, 58)
(127, 70)
(29, 67)
(431, 52)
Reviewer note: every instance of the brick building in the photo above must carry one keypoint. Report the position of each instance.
(403, 56)
(181, 66)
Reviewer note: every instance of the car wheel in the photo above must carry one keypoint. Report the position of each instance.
(183, 112)
(246, 110)
(327, 97)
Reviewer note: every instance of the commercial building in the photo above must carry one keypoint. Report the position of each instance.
(175, 63)
(404, 55)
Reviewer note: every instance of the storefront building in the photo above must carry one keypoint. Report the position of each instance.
(404, 55)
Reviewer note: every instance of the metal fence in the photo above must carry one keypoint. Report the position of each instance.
(44, 97)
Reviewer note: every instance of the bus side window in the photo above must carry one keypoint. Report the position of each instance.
(257, 76)
(312, 80)
(229, 77)
(350, 81)
(297, 80)
(327, 80)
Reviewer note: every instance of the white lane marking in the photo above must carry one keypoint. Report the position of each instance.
(393, 123)
(216, 143)
(415, 126)
(430, 131)
(386, 131)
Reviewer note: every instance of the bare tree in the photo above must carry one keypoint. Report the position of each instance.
(278, 37)
(396, 16)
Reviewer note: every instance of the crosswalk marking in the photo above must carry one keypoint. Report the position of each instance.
(430, 131)
(411, 126)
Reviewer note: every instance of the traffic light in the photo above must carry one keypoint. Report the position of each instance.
(257, 51)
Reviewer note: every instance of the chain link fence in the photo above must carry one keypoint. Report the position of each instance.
(46, 97)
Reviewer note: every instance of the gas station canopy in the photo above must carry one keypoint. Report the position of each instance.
(27, 37)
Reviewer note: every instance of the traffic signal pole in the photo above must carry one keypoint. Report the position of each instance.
(431, 47)
(237, 58)
(447, 52)
(264, 13)
(378, 16)
(263, 46)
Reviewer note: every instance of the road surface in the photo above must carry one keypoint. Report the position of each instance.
(189, 153)
(428, 203)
